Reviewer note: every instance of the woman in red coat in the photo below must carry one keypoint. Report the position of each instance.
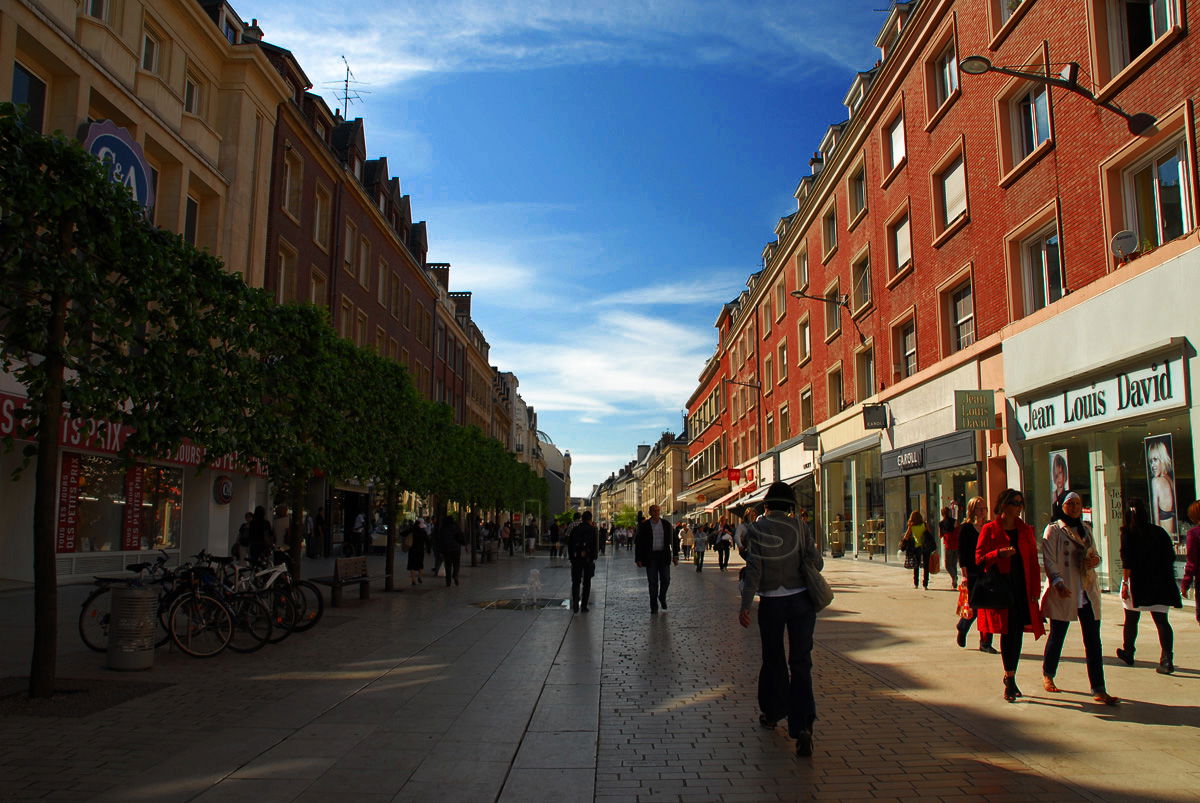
(1007, 543)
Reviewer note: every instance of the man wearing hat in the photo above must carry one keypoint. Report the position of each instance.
(776, 550)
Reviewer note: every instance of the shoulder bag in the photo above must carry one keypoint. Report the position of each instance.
(818, 587)
(992, 592)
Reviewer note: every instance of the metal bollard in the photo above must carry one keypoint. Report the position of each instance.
(131, 629)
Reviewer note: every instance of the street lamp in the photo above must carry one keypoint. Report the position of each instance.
(842, 300)
(1140, 124)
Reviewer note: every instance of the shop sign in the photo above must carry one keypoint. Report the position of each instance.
(126, 163)
(68, 503)
(1125, 394)
(735, 475)
(875, 416)
(974, 409)
(135, 494)
(223, 490)
(910, 459)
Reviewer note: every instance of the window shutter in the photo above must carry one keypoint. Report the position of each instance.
(954, 191)
(903, 244)
(897, 136)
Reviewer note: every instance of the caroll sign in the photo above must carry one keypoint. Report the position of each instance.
(126, 163)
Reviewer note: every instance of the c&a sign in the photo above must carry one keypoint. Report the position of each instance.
(127, 164)
(1122, 394)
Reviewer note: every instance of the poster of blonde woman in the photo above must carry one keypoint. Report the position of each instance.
(1058, 475)
(1160, 477)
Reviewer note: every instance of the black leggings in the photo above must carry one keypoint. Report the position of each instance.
(1166, 636)
(1010, 649)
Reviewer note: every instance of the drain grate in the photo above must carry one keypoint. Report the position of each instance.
(524, 604)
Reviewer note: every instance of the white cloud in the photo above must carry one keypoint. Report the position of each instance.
(710, 291)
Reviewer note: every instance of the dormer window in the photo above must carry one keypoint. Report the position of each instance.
(229, 31)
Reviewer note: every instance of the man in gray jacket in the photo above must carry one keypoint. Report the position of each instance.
(778, 545)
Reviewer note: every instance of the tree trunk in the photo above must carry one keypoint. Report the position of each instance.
(42, 668)
(389, 561)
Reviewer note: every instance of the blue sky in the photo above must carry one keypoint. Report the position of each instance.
(602, 176)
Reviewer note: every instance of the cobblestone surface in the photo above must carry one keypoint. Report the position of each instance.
(422, 695)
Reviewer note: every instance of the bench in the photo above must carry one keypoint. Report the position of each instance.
(348, 571)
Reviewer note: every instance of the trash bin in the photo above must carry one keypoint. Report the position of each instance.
(132, 622)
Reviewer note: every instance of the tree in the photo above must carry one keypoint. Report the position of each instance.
(102, 317)
(626, 517)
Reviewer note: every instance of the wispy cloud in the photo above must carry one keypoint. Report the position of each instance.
(389, 43)
(706, 291)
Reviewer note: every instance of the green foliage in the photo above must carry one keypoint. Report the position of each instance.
(626, 517)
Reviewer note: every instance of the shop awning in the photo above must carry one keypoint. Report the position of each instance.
(859, 445)
(716, 503)
(755, 497)
(795, 479)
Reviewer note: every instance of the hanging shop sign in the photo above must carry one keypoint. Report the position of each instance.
(1117, 396)
(875, 416)
(974, 409)
(223, 490)
(127, 164)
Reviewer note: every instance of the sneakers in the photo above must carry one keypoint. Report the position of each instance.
(804, 743)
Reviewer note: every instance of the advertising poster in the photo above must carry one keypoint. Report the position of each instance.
(1160, 481)
(1059, 475)
(134, 518)
(68, 503)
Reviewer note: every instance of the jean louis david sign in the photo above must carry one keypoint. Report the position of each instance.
(1123, 394)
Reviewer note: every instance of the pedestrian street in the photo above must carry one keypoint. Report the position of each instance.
(428, 695)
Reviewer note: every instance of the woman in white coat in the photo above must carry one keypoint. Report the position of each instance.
(1072, 593)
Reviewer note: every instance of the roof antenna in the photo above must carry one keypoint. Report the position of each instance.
(349, 94)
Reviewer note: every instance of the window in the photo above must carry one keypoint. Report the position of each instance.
(285, 289)
(381, 280)
(952, 183)
(766, 317)
(768, 373)
(780, 300)
(191, 94)
(321, 217)
(1008, 8)
(406, 308)
(351, 241)
(802, 269)
(829, 230)
(380, 341)
(904, 347)
(191, 220)
(781, 355)
(833, 386)
(293, 183)
(1156, 200)
(360, 329)
(860, 282)
(895, 143)
(770, 430)
(803, 340)
(150, 51)
(346, 319)
(806, 409)
(1031, 121)
(1041, 267)
(364, 262)
(97, 9)
(858, 192)
(864, 365)
(900, 240)
(29, 90)
(393, 295)
(785, 423)
(230, 31)
(962, 317)
(833, 303)
(317, 291)
(945, 76)
(1135, 25)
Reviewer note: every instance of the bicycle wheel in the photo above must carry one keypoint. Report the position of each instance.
(94, 619)
(251, 623)
(200, 625)
(283, 613)
(310, 605)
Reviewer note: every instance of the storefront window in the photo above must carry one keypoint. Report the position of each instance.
(927, 492)
(106, 506)
(853, 501)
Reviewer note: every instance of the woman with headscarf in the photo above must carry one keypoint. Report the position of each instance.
(1148, 558)
(1007, 544)
(1072, 592)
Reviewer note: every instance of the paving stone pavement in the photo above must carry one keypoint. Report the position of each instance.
(422, 695)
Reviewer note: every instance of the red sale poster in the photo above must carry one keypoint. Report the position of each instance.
(68, 503)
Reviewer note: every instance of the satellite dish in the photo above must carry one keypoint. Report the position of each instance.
(1124, 243)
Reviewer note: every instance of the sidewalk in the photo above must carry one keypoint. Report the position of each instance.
(422, 695)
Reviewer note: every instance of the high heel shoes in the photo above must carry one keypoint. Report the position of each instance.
(1011, 692)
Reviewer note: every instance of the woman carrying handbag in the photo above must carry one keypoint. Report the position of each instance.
(1007, 553)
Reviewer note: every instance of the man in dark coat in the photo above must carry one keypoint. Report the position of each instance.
(656, 549)
(582, 549)
(450, 539)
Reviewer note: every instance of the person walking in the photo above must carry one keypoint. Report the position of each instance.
(323, 534)
(450, 540)
(948, 529)
(968, 537)
(416, 552)
(686, 538)
(1072, 593)
(260, 536)
(741, 532)
(777, 549)
(582, 550)
(358, 536)
(656, 549)
(1191, 569)
(530, 537)
(699, 545)
(1007, 545)
(1148, 561)
(917, 543)
(506, 538)
(724, 546)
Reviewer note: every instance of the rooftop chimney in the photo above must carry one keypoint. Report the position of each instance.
(253, 32)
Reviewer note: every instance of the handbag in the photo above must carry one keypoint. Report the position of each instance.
(818, 588)
(910, 560)
(935, 563)
(991, 592)
(964, 604)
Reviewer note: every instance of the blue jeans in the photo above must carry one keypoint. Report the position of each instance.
(658, 574)
(1090, 626)
(785, 683)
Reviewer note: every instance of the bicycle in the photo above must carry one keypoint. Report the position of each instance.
(95, 615)
(200, 622)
